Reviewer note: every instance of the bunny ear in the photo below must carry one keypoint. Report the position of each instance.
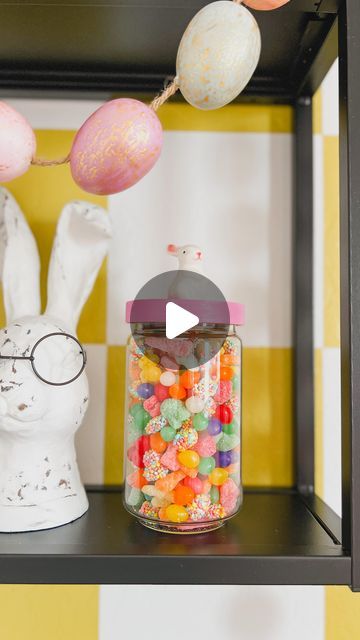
(80, 245)
(172, 249)
(19, 261)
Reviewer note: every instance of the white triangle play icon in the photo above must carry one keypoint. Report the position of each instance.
(178, 320)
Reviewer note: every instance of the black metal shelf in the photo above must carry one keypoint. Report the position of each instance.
(98, 48)
(275, 539)
(88, 48)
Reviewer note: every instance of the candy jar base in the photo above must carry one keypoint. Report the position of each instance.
(190, 528)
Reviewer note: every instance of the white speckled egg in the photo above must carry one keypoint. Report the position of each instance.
(17, 143)
(218, 54)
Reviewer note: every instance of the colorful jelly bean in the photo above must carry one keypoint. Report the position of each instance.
(189, 458)
(206, 465)
(176, 513)
(167, 378)
(183, 495)
(200, 422)
(168, 434)
(218, 476)
(145, 390)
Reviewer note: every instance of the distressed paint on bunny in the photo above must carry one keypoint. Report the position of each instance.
(40, 485)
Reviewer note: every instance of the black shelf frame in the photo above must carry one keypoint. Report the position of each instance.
(282, 536)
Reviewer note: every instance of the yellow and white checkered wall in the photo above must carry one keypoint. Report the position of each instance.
(224, 183)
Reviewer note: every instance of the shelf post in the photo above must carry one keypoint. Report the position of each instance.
(303, 297)
(349, 73)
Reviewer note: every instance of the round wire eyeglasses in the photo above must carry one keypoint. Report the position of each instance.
(57, 358)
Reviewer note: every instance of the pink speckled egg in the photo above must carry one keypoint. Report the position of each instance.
(17, 143)
(116, 147)
(265, 5)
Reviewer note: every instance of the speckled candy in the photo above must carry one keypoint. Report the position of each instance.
(197, 510)
(228, 442)
(116, 147)
(218, 54)
(153, 467)
(206, 445)
(17, 143)
(229, 494)
(169, 458)
(185, 438)
(155, 424)
(223, 392)
(152, 406)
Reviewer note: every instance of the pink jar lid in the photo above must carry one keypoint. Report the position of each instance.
(209, 312)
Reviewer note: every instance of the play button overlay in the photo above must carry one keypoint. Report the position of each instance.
(181, 317)
(178, 320)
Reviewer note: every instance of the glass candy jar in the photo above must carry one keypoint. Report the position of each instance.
(183, 425)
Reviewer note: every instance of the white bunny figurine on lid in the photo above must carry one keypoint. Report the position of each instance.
(43, 385)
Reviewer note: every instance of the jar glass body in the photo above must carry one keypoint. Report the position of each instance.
(183, 430)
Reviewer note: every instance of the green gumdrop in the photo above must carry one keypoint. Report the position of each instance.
(142, 418)
(230, 429)
(206, 465)
(135, 498)
(227, 442)
(135, 409)
(214, 494)
(236, 383)
(200, 422)
(175, 412)
(168, 434)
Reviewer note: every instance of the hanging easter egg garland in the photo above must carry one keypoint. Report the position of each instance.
(121, 141)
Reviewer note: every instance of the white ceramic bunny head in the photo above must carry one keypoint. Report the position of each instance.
(189, 256)
(40, 485)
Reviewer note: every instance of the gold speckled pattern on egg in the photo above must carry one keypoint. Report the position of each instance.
(218, 54)
(116, 147)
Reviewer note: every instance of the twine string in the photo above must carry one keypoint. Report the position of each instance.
(41, 162)
(165, 95)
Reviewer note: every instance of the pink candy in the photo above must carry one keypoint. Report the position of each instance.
(205, 446)
(194, 483)
(224, 391)
(152, 406)
(229, 493)
(169, 458)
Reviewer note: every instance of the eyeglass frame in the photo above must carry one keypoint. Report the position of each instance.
(31, 358)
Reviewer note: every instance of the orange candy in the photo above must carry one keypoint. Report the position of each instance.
(170, 481)
(136, 479)
(183, 495)
(189, 379)
(226, 373)
(162, 513)
(177, 392)
(191, 473)
(157, 443)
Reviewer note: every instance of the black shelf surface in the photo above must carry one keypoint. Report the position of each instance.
(105, 47)
(275, 539)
